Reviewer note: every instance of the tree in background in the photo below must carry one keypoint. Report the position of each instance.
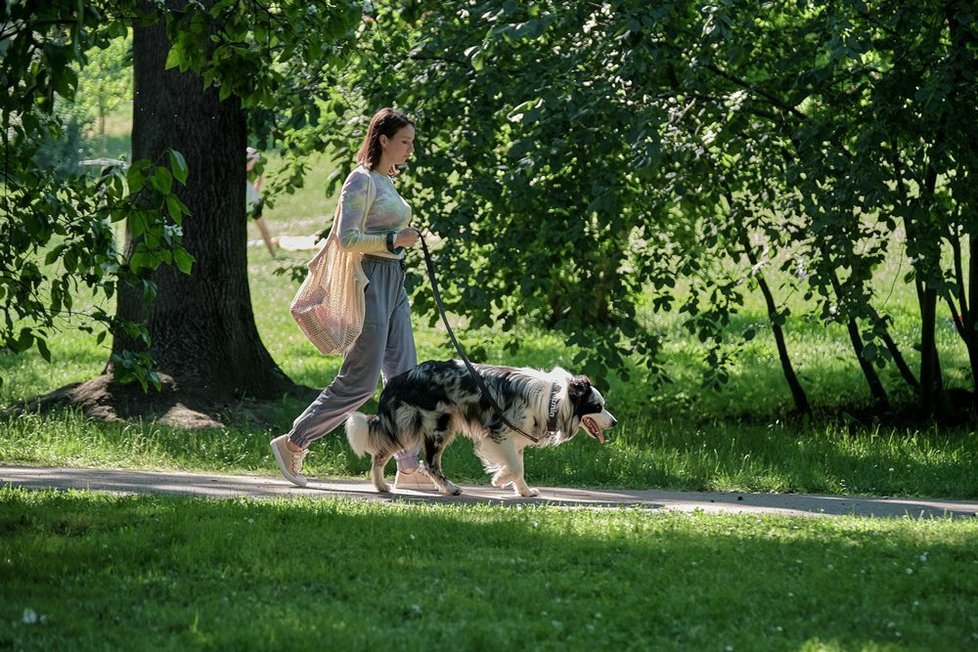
(582, 160)
(55, 226)
(196, 66)
(105, 83)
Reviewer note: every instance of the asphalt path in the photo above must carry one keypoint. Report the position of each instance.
(127, 481)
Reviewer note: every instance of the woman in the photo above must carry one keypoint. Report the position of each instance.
(386, 344)
(253, 199)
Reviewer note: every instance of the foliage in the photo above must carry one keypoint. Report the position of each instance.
(47, 219)
(58, 231)
(281, 59)
(581, 162)
(577, 155)
(105, 83)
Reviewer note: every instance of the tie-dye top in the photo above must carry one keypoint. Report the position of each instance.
(388, 212)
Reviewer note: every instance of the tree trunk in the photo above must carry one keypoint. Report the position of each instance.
(794, 385)
(202, 327)
(876, 389)
(898, 358)
(930, 374)
(971, 323)
(797, 391)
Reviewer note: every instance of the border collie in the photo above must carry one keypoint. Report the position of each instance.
(429, 404)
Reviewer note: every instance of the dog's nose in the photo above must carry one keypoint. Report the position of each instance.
(614, 422)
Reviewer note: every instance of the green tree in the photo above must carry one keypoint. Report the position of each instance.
(105, 82)
(197, 66)
(56, 232)
(577, 156)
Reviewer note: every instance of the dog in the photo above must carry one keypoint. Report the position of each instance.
(431, 403)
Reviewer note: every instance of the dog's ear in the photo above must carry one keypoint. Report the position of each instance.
(579, 388)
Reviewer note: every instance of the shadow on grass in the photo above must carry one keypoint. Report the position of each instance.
(100, 572)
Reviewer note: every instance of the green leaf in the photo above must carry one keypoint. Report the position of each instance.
(163, 181)
(178, 164)
(54, 254)
(174, 58)
(183, 259)
(137, 223)
(140, 260)
(42, 348)
(174, 207)
(23, 342)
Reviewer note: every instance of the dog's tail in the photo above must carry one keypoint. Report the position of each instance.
(368, 436)
(361, 433)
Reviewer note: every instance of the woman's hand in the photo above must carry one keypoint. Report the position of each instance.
(407, 237)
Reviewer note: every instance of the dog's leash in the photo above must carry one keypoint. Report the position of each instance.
(476, 376)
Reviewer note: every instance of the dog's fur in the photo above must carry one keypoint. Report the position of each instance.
(428, 405)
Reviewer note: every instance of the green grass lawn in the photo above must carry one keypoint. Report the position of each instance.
(84, 572)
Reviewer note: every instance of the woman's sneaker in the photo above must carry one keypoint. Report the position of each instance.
(415, 480)
(288, 462)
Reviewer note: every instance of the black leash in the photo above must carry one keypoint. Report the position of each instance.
(476, 376)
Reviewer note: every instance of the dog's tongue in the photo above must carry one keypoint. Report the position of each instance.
(594, 430)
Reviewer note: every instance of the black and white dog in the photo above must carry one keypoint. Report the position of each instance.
(428, 405)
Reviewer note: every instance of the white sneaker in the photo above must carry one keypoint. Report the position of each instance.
(288, 462)
(416, 480)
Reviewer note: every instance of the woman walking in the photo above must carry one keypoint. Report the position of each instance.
(373, 220)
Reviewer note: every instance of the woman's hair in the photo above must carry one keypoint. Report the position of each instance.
(385, 122)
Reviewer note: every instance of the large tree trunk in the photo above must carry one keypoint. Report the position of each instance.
(202, 328)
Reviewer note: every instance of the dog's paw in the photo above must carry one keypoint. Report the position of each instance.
(527, 492)
(382, 487)
(500, 480)
(451, 489)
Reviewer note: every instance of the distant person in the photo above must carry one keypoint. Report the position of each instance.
(386, 344)
(254, 203)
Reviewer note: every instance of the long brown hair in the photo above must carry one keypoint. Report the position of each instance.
(385, 122)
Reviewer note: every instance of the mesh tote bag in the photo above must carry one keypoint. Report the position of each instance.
(329, 305)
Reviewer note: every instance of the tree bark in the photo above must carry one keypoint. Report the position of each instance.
(869, 373)
(971, 323)
(202, 327)
(898, 358)
(794, 385)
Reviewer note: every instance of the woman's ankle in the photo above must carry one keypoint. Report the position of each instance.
(408, 465)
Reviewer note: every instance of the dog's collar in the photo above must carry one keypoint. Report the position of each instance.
(552, 412)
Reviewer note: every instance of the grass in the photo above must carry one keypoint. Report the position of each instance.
(86, 571)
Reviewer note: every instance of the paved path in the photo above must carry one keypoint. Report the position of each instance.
(126, 481)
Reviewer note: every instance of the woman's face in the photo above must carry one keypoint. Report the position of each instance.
(399, 147)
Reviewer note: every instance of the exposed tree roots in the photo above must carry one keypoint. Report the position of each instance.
(175, 404)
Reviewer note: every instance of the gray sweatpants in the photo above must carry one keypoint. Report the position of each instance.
(384, 348)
